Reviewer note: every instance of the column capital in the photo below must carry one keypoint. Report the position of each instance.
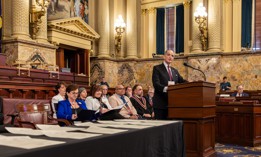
(152, 10)
(187, 4)
(144, 11)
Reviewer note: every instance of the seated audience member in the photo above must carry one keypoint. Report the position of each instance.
(149, 96)
(240, 92)
(103, 82)
(117, 99)
(94, 102)
(225, 85)
(73, 109)
(104, 97)
(82, 94)
(128, 91)
(142, 106)
(61, 90)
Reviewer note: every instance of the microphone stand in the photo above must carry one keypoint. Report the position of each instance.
(187, 65)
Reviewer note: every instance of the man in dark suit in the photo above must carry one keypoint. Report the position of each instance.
(240, 92)
(163, 76)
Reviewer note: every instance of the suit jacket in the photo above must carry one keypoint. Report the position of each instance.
(140, 110)
(160, 78)
(115, 101)
(65, 110)
(243, 94)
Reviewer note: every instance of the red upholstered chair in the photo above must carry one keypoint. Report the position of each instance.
(32, 114)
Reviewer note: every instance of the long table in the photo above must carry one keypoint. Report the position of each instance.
(163, 140)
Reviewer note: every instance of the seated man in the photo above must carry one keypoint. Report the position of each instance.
(105, 97)
(150, 96)
(225, 85)
(239, 92)
(61, 90)
(141, 104)
(117, 99)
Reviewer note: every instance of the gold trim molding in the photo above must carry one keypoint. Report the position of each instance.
(187, 4)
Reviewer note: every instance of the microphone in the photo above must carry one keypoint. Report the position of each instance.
(187, 65)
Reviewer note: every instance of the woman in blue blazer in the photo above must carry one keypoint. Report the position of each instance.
(73, 109)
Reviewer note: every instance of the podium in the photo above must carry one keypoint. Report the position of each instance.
(194, 103)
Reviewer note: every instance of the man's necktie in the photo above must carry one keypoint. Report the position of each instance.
(123, 99)
(170, 76)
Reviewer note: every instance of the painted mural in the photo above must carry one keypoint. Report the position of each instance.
(61, 9)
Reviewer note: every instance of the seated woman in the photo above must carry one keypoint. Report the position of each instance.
(82, 94)
(73, 109)
(61, 90)
(94, 102)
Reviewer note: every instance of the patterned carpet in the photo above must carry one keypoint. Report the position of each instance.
(237, 151)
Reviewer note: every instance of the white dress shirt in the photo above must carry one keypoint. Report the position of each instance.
(56, 99)
(92, 103)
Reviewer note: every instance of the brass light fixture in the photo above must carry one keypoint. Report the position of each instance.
(36, 13)
(120, 28)
(201, 18)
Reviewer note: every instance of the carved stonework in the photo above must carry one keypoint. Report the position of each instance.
(96, 73)
(126, 75)
(72, 31)
(22, 51)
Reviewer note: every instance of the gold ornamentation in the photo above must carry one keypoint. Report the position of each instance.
(187, 4)
(119, 28)
(36, 14)
(151, 10)
(201, 18)
(144, 11)
(1, 22)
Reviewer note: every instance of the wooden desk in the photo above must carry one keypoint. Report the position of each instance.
(238, 123)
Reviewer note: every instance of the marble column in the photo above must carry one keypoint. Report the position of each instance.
(20, 19)
(103, 28)
(186, 26)
(196, 45)
(227, 25)
(151, 31)
(214, 26)
(131, 29)
(144, 34)
(237, 11)
(7, 16)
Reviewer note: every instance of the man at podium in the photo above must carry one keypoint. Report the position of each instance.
(164, 75)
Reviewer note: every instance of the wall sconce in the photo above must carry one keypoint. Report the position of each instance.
(120, 28)
(201, 18)
(36, 14)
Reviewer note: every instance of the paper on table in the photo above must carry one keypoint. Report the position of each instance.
(115, 108)
(24, 131)
(126, 126)
(56, 127)
(123, 123)
(64, 134)
(147, 122)
(86, 124)
(26, 142)
(100, 130)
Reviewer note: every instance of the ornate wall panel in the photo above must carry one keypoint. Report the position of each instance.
(240, 68)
